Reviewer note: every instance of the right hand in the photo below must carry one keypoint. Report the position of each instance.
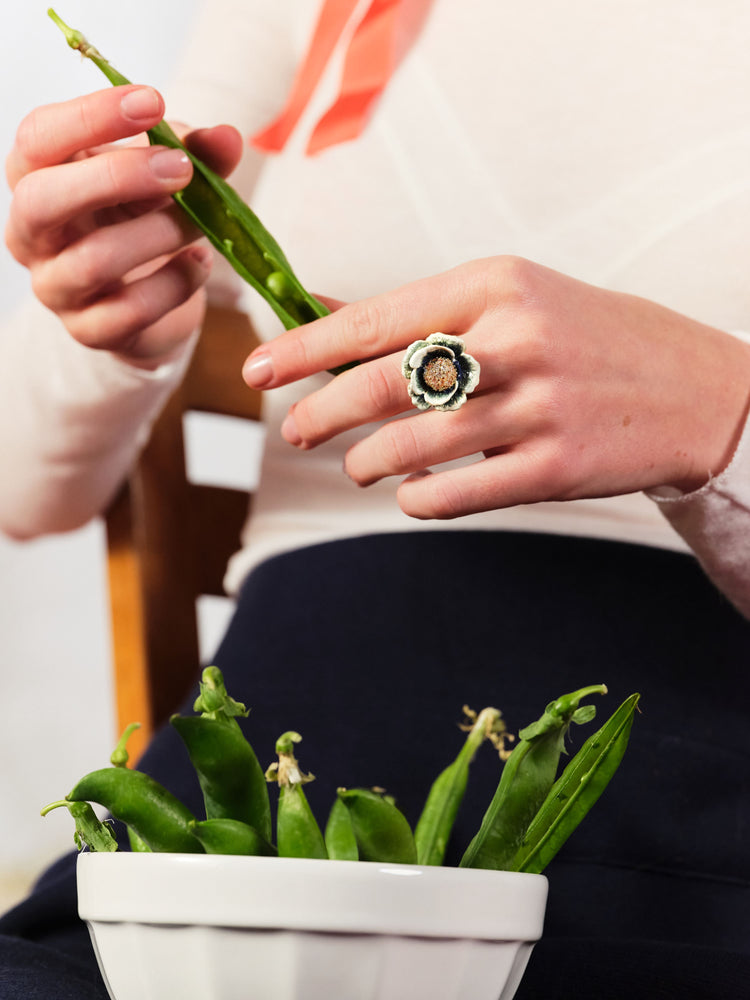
(92, 219)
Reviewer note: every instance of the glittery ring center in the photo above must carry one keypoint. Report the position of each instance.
(440, 373)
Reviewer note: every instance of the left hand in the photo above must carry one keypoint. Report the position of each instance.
(583, 392)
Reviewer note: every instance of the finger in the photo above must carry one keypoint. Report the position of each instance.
(48, 200)
(117, 322)
(359, 396)
(56, 132)
(103, 258)
(414, 443)
(368, 329)
(516, 477)
(220, 147)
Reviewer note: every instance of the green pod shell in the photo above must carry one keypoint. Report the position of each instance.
(231, 779)
(230, 836)
(297, 832)
(576, 790)
(435, 823)
(89, 830)
(381, 830)
(526, 779)
(157, 817)
(341, 843)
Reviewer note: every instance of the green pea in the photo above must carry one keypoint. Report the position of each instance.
(381, 830)
(230, 836)
(576, 790)
(526, 779)
(297, 832)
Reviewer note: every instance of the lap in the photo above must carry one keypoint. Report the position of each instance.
(370, 647)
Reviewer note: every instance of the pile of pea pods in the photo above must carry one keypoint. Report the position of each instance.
(532, 813)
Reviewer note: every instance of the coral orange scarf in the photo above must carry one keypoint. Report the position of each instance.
(380, 41)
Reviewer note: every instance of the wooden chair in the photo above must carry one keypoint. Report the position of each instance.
(169, 540)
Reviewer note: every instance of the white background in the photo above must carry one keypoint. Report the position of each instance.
(56, 703)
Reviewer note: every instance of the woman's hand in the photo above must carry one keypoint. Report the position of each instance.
(583, 392)
(93, 221)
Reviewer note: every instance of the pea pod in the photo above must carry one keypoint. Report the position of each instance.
(381, 830)
(341, 843)
(297, 832)
(576, 790)
(231, 779)
(223, 217)
(436, 820)
(90, 831)
(156, 816)
(230, 836)
(527, 777)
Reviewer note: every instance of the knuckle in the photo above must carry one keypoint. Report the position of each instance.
(15, 245)
(308, 426)
(41, 283)
(28, 141)
(90, 264)
(517, 276)
(27, 202)
(400, 448)
(436, 497)
(365, 321)
(81, 328)
(549, 470)
(377, 389)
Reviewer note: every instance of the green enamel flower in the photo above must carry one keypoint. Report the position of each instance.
(440, 372)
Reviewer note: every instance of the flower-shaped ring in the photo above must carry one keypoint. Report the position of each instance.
(440, 372)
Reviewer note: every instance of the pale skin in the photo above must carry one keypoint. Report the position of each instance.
(584, 392)
(107, 249)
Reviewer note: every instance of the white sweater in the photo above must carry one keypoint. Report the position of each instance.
(608, 140)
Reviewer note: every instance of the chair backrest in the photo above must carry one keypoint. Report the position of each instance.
(168, 540)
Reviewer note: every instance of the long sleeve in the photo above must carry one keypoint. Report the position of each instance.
(715, 523)
(72, 420)
(71, 424)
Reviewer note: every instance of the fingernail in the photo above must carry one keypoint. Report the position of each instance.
(289, 429)
(140, 104)
(258, 370)
(169, 164)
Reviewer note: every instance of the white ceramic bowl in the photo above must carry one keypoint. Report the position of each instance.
(208, 927)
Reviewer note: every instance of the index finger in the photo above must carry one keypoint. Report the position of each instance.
(367, 329)
(54, 133)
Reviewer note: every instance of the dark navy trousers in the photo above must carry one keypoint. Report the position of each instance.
(370, 647)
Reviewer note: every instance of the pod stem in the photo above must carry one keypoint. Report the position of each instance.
(77, 40)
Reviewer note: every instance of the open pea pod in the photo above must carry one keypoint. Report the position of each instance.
(576, 790)
(526, 779)
(223, 217)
